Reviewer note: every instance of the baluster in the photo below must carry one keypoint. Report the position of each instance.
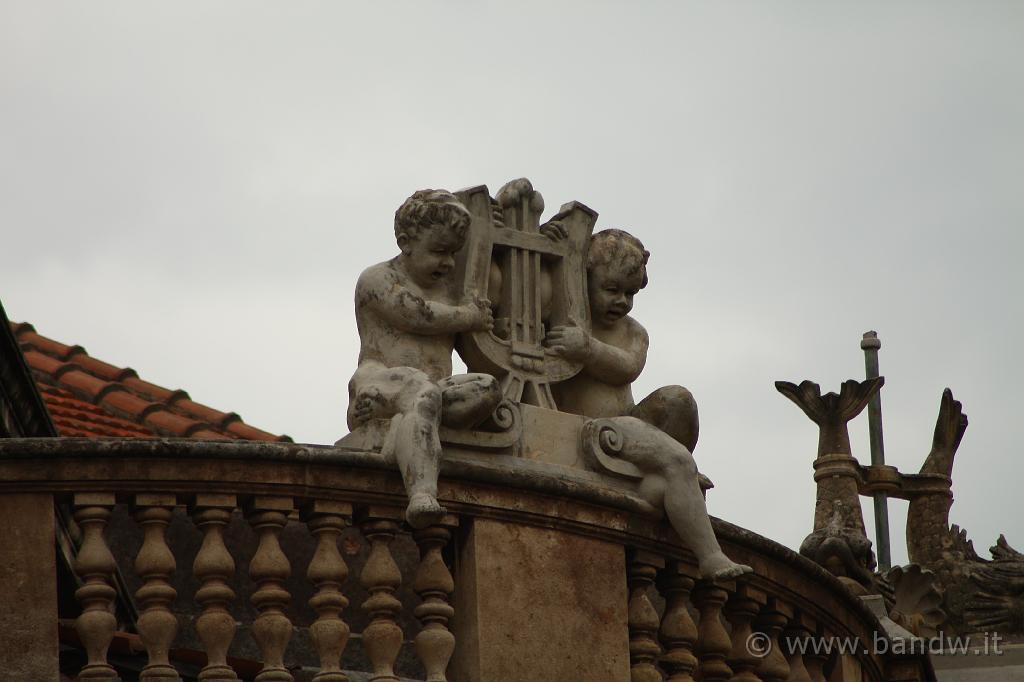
(270, 569)
(94, 566)
(815, 659)
(382, 638)
(327, 571)
(678, 632)
(157, 625)
(434, 584)
(774, 667)
(796, 642)
(746, 653)
(215, 569)
(642, 568)
(713, 642)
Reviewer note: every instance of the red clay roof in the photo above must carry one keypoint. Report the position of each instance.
(91, 398)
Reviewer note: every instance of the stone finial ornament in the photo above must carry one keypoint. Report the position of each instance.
(980, 595)
(831, 412)
(835, 468)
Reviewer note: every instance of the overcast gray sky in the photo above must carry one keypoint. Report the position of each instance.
(192, 188)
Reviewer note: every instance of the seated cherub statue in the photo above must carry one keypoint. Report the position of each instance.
(659, 433)
(407, 318)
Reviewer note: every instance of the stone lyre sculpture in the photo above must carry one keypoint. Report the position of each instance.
(482, 275)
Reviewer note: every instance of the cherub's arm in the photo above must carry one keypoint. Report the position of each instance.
(615, 365)
(404, 310)
(603, 361)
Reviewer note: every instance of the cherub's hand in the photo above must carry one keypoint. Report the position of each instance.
(368, 404)
(554, 230)
(572, 343)
(479, 316)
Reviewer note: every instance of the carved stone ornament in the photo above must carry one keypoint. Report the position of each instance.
(915, 602)
(533, 281)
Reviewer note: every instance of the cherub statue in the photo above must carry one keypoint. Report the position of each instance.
(407, 319)
(660, 432)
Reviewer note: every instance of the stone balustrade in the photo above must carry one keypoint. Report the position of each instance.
(538, 573)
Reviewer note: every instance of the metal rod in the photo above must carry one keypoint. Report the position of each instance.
(870, 345)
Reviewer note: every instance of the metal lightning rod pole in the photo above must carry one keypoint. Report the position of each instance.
(870, 345)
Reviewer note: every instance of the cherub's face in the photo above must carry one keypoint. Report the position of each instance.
(430, 256)
(611, 288)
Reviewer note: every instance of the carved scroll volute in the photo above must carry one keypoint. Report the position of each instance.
(94, 566)
(327, 571)
(157, 624)
(642, 568)
(740, 611)
(601, 441)
(382, 638)
(713, 642)
(270, 569)
(771, 621)
(215, 570)
(434, 584)
(531, 280)
(678, 632)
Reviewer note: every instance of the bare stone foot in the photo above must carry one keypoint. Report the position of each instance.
(423, 510)
(721, 567)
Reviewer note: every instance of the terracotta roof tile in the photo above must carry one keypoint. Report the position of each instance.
(42, 363)
(90, 387)
(75, 417)
(152, 390)
(246, 432)
(91, 398)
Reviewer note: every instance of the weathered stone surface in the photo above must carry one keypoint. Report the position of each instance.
(408, 316)
(28, 588)
(562, 618)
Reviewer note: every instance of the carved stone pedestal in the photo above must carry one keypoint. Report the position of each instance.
(537, 604)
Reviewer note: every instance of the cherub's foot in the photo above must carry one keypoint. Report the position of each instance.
(423, 510)
(721, 567)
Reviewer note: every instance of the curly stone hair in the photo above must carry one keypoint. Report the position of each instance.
(620, 247)
(429, 207)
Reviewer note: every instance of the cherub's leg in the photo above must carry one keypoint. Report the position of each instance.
(468, 399)
(673, 410)
(670, 479)
(418, 448)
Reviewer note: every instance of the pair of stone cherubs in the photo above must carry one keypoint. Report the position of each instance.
(407, 323)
